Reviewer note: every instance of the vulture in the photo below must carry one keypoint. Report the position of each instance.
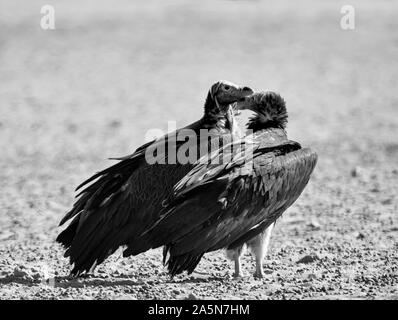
(234, 195)
(117, 204)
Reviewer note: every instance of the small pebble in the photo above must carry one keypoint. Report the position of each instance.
(314, 225)
(360, 236)
(192, 296)
(308, 258)
(386, 201)
(355, 172)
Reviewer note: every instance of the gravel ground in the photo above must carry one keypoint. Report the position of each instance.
(93, 87)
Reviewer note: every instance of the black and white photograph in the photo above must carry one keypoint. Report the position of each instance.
(215, 150)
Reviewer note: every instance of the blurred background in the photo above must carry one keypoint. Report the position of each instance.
(110, 71)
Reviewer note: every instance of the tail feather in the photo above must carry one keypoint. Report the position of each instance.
(104, 184)
(95, 256)
(186, 262)
(66, 237)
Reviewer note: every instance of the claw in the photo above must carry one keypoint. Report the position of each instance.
(239, 275)
(259, 275)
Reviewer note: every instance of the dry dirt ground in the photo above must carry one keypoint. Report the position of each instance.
(91, 89)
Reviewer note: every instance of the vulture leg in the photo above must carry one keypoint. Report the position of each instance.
(235, 255)
(259, 246)
(238, 267)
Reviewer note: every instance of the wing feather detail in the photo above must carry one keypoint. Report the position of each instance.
(216, 206)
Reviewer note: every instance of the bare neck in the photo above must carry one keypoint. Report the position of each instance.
(213, 116)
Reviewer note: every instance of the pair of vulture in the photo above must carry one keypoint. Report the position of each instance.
(228, 198)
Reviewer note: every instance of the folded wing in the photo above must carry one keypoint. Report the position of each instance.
(216, 206)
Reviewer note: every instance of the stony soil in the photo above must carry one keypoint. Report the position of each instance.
(92, 88)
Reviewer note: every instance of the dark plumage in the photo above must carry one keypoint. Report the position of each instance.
(126, 198)
(226, 205)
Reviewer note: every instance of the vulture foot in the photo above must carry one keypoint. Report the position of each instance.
(259, 274)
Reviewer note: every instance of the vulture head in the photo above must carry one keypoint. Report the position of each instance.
(221, 95)
(270, 110)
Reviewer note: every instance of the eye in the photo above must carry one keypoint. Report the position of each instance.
(227, 87)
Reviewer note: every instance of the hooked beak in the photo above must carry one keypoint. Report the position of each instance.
(246, 103)
(241, 94)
